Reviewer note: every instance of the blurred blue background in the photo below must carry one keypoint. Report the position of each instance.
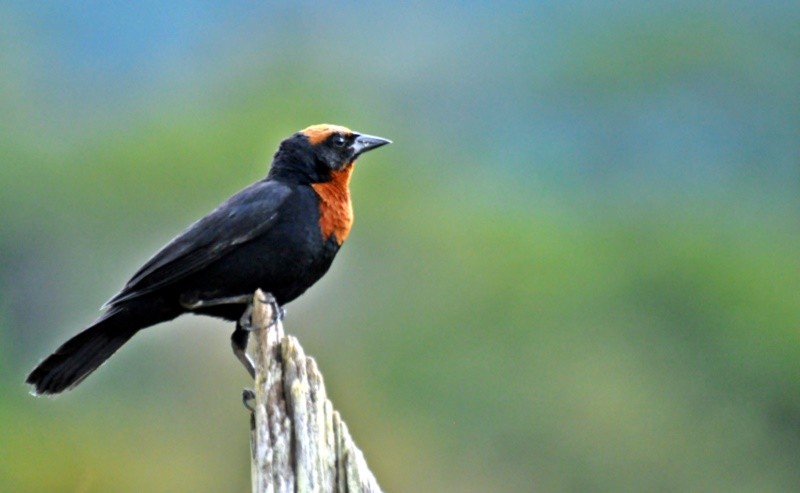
(576, 269)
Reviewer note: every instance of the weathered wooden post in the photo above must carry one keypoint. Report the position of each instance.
(298, 442)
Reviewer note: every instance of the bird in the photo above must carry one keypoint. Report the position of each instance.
(279, 234)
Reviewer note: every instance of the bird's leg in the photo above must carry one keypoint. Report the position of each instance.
(239, 340)
(241, 335)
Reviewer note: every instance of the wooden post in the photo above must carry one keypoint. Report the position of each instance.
(298, 442)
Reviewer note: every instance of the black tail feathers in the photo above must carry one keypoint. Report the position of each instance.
(83, 354)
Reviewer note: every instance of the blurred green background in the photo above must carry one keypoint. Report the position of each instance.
(576, 269)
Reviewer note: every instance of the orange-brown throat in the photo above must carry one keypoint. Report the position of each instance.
(335, 208)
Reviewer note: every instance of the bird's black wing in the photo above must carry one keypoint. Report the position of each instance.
(246, 215)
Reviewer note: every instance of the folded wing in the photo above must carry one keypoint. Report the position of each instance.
(245, 216)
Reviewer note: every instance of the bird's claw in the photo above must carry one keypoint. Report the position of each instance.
(278, 313)
(248, 398)
(245, 321)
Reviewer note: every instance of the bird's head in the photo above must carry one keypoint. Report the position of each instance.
(319, 150)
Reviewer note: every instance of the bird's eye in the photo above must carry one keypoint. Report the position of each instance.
(339, 141)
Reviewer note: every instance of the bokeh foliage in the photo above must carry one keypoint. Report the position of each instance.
(575, 270)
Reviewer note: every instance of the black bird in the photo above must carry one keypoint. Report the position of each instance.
(279, 234)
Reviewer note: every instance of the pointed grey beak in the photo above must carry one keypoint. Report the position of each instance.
(364, 143)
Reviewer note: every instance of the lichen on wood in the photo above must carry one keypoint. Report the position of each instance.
(299, 442)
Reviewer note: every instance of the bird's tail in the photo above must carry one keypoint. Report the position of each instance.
(80, 356)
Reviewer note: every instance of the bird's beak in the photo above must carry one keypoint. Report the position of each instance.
(364, 143)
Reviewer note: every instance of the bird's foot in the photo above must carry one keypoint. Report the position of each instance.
(248, 399)
(278, 313)
(244, 326)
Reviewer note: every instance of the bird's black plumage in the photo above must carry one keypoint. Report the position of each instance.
(279, 234)
(246, 216)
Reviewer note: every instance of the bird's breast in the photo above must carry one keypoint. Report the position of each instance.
(335, 208)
